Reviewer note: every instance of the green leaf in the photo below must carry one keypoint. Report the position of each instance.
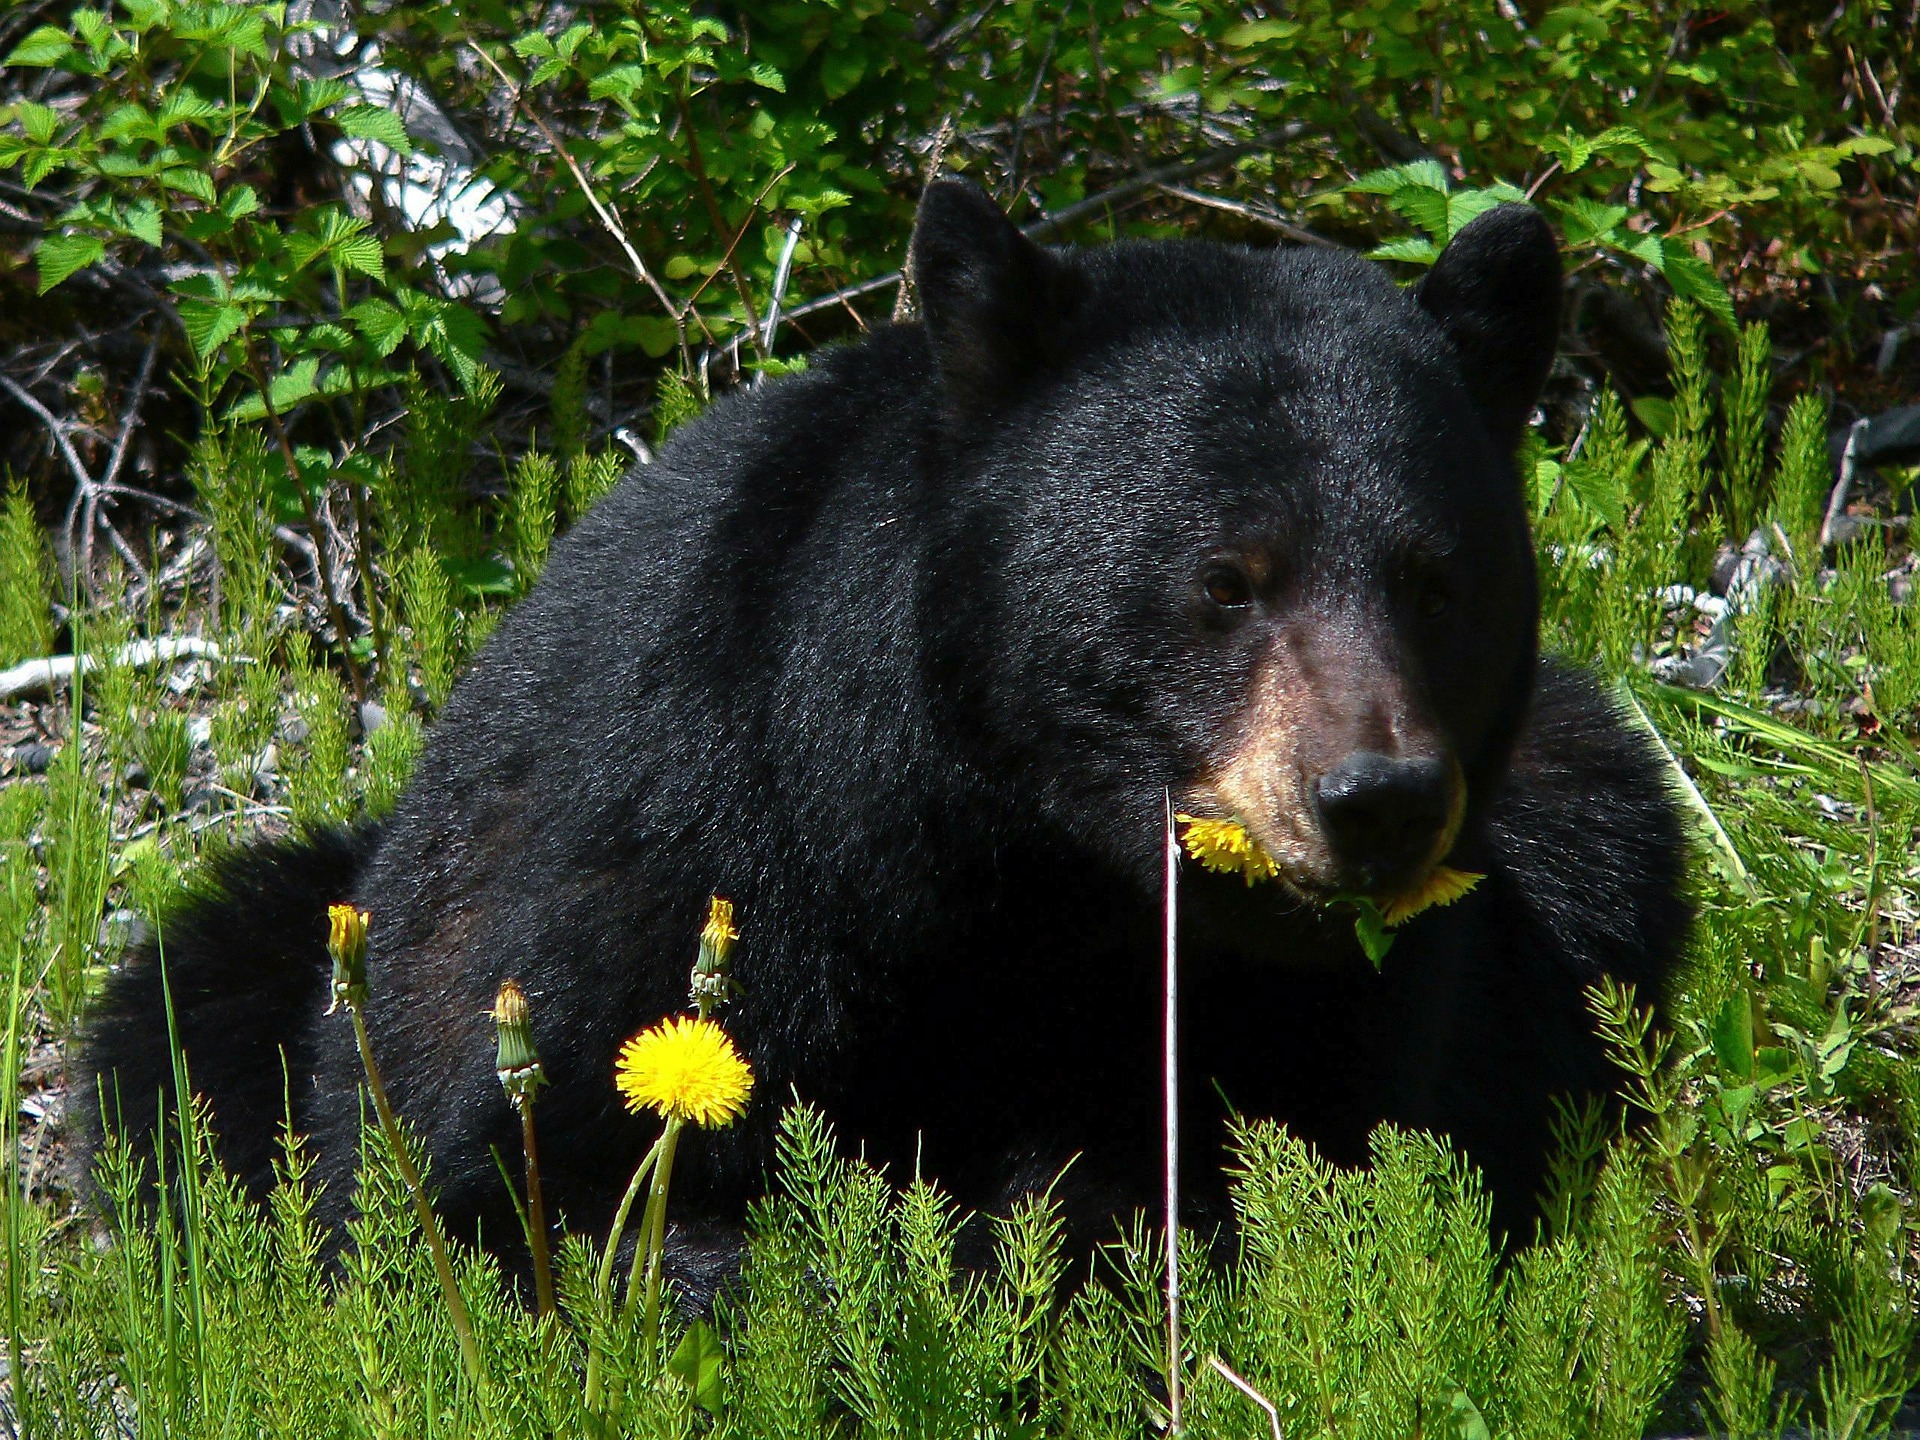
(210, 324)
(383, 325)
(58, 256)
(1425, 207)
(1694, 279)
(488, 575)
(142, 221)
(190, 181)
(1464, 1420)
(1589, 220)
(698, 1360)
(1732, 1035)
(1415, 250)
(1601, 490)
(45, 46)
(1428, 174)
(841, 69)
(619, 82)
(1370, 929)
(372, 122)
(769, 78)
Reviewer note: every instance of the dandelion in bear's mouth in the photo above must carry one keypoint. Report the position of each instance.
(1227, 848)
(1444, 886)
(684, 1068)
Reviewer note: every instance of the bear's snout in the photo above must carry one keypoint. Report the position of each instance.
(1385, 818)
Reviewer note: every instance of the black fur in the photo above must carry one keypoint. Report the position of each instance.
(900, 655)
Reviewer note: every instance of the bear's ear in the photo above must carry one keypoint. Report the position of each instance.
(990, 298)
(1496, 292)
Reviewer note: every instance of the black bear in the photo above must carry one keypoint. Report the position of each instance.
(903, 655)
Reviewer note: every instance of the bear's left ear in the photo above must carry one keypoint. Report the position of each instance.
(992, 300)
(1496, 292)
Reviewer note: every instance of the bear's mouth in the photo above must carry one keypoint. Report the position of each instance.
(1303, 861)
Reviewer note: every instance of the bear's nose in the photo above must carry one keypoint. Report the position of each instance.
(1382, 816)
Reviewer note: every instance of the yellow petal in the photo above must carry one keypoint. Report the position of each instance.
(1226, 848)
(1444, 886)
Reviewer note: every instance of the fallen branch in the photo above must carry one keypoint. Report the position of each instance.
(54, 671)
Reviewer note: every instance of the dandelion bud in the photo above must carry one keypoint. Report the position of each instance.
(516, 1061)
(710, 987)
(347, 943)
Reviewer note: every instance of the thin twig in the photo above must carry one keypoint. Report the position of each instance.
(130, 416)
(1273, 1413)
(781, 274)
(1251, 212)
(323, 567)
(606, 217)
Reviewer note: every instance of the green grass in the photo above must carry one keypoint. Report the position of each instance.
(1744, 1261)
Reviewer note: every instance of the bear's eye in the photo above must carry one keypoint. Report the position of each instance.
(1227, 586)
(1433, 597)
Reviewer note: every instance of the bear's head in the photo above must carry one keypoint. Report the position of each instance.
(1240, 524)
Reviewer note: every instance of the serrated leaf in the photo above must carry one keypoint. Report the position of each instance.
(45, 46)
(1428, 173)
(142, 221)
(1425, 207)
(371, 122)
(58, 256)
(361, 253)
(619, 82)
(239, 201)
(1695, 280)
(1412, 249)
(769, 78)
(1463, 206)
(190, 181)
(210, 324)
(183, 107)
(383, 325)
(1589, 220)
(1600, 491)
(41, 122)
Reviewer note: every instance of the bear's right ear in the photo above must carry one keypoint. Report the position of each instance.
(991, 299)
(1496, 292)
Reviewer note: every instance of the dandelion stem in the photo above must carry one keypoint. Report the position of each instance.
(603, 1282)
(429, 1222)
(654, 1236)
(536, 1213)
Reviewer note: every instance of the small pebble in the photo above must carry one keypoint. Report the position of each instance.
(372, 716)
(33, 758)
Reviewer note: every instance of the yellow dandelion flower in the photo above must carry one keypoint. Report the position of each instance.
(1444, 886)
(719, 932)
(684, 1069)
(1226, 848)
(347, 944)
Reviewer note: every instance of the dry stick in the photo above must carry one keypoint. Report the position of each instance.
(719, 223)
(1273, 1412)
(1837, 502)
(1132, 189)
(1250, 212)
(322, 565)
(1170, 1070)
(781, 274)
(607, 220)
(429, 1222)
